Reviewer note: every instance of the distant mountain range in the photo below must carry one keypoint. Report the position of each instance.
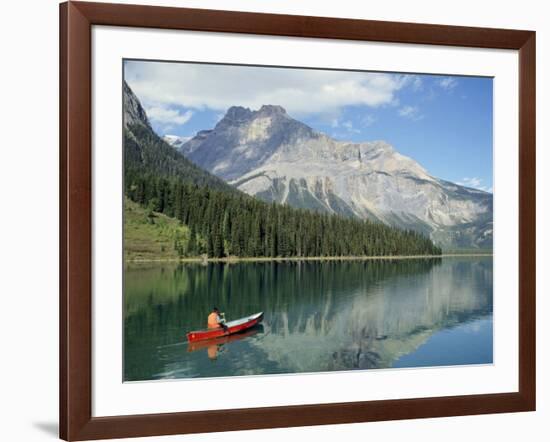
(269, 155)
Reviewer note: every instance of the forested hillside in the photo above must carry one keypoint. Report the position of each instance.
(146, 152)
(223, 224)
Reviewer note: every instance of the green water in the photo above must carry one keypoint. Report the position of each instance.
(319, 316)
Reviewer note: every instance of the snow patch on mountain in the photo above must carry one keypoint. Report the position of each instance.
(176, 141)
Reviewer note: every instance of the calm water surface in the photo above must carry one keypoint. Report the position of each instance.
(319, 316)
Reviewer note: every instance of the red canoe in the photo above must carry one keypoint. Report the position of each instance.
(201, 345)
(232, 327)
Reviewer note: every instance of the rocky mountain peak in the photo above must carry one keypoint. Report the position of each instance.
(237, 114)
(272, 110)
(244, 139)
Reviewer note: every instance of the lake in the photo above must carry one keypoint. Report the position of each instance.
(318, 316)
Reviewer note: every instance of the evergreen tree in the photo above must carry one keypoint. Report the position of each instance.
(192, 248)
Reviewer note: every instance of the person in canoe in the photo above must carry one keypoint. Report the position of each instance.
(214, 319)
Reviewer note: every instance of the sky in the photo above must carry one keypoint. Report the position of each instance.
(443, 122)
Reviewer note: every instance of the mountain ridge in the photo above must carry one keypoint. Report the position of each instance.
(268, 154)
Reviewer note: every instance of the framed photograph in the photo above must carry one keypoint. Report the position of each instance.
(273, 220)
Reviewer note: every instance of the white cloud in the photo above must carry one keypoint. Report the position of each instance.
(368, 120)
(475, 183)
(448, 83)
(471, 182)
(346, 125)
(167, 116)
(417, 84)
(411, 112)
(300, 91)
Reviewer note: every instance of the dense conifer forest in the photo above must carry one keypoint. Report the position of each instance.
(226, 224)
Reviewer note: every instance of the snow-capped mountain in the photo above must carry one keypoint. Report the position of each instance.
(272, 156)
(175, 140)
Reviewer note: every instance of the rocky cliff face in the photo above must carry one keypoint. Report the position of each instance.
(267, 154)
(134, 114)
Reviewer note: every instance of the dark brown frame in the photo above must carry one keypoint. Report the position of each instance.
(76, 20)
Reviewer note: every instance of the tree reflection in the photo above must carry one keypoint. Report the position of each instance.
(319, 315)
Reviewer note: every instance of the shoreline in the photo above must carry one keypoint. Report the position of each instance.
(235, 260)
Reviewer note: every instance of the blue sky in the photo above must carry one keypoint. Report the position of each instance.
(443, 122)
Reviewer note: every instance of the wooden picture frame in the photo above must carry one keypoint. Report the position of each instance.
(76, 21)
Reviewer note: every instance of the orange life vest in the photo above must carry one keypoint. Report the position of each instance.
(213, 320)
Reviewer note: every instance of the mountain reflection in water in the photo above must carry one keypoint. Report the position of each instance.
(319, 316)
